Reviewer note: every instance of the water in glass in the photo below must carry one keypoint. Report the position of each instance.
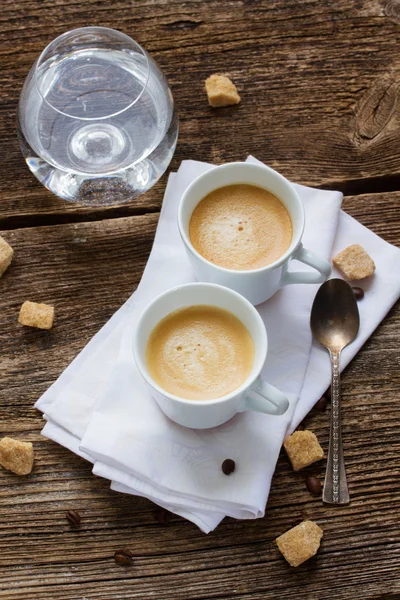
(97, 123)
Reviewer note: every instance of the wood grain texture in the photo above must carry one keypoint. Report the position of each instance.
(318, 81)
(87, 270)
(320, 102)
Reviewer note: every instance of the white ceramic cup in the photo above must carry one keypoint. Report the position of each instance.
(257, 285)
(253, 394)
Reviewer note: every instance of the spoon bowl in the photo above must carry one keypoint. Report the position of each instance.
(334, 324)
(334, 317)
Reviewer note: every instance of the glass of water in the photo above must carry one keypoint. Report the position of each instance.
(96, 118)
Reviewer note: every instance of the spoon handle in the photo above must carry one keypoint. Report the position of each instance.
(335, 486)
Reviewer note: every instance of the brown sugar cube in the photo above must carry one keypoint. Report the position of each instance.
(16, 456)
(221, 91)
(300, 543)
(6, 254)
(303, 449)
(36, 315)
(354, 262)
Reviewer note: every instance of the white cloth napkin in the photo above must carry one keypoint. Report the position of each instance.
(101, 409)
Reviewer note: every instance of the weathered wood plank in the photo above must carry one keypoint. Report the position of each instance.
(68, 266)
(87, 270)
(379, 212)
(319, 86)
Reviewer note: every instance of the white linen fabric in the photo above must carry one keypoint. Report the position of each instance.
(101, 409)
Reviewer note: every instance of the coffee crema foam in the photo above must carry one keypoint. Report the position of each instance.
(200, 353)
(241, 227)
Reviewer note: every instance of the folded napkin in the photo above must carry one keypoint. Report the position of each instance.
(101, 409)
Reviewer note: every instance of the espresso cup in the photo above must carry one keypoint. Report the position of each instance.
(254, 393)
(257, 285)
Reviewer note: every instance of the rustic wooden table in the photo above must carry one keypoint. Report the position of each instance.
(320, 94)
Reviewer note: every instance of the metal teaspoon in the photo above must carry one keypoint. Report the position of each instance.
(334, 324)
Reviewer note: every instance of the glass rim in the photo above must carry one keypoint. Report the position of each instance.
(40, 61)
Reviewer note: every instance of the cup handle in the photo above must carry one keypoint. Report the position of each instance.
(265, 398)
(308, 258)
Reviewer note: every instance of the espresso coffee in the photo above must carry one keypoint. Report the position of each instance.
(200, 353)
(241, 227)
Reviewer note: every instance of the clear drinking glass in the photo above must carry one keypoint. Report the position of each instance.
(96, 118)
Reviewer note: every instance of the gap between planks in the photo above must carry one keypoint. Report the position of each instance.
(355, 187)
(99, 214)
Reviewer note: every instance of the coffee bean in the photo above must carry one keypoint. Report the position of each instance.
(163, 516)
(358, 293)
(228, 466)
(313, 485)
(322, 404)
(73, 517)
(123, 556)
